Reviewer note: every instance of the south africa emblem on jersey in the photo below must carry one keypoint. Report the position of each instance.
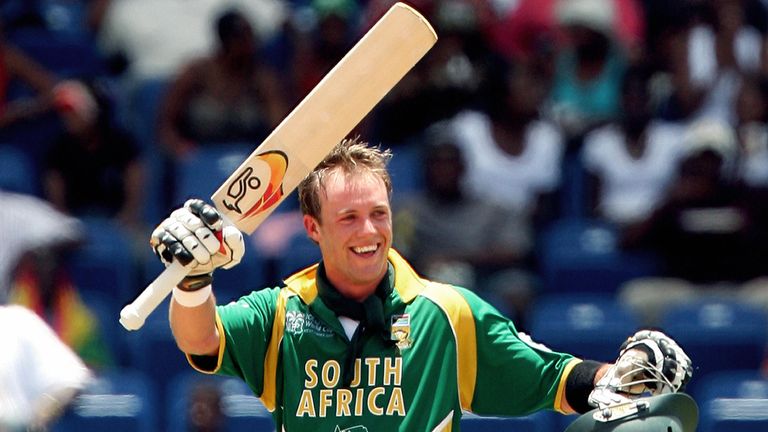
(401, 331)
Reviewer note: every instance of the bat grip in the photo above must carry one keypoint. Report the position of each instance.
(132, 316)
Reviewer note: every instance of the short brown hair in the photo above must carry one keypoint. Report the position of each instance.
(350, 156)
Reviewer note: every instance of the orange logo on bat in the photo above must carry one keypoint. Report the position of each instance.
(260, 185)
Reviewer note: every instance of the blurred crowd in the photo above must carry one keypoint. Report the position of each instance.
(645, 118)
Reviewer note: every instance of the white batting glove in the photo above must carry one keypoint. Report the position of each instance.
(650, 362)
(200, 239)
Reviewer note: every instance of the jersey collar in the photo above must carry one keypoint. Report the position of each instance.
(407, 283)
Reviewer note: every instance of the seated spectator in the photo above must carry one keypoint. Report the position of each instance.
(447, 80)
(46, 229)
(632, 161)
(205, 409)
(513, 157)
(752, 130)
(175, 30)
(588, 67)
(320, 46)
(42, 284)
(710, 231)
(527, 31)
(33, 273)
(93, 168)
(223, 97)
(708, 64)
(488, 255)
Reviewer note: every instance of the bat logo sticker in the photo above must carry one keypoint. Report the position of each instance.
(259, 186)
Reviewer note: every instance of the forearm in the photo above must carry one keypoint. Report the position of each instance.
(194, 328)
(197, 237)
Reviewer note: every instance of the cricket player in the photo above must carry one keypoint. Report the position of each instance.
(359, 341)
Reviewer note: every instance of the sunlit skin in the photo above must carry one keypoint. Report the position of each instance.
(354, 232)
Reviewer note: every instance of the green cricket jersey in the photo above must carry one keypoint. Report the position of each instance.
(450, 351)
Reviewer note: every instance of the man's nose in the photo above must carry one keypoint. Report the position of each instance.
(368, 226)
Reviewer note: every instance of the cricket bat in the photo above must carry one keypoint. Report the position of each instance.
(300, 142)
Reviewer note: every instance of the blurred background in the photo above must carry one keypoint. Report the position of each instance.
(587, 166)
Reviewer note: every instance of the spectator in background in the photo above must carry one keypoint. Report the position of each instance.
(42, 283)
(447, 80)
(752, 130)
(487, 254)
(175, 30)
(46, 229)
(710, 231)
(528, 31)
(223, 97)
(708, 60)
(513, 156)
(320, 46)
(39, 375)
(33, 273)
(588, 68)
(205, 409)
(93, 168)
(631, 162)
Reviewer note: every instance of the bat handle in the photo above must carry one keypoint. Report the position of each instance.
(132, 316)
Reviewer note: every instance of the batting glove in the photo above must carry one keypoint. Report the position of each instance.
(650, 362)
(199, 238)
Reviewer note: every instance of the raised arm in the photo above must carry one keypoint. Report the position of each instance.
(199, 238)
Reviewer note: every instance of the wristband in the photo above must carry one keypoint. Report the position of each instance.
(192, 298)
(194, 283)
(580, 382)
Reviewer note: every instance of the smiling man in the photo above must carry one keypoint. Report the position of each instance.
(359, 341)
(346, 212)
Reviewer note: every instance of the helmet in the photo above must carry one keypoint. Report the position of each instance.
(672, 412)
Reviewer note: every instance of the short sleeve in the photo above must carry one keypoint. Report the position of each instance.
(514, 375)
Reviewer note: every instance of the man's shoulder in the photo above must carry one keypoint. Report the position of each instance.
(455, 298)
(264, 296)
(444, 295)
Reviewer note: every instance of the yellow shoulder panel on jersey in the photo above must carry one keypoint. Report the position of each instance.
(462, 323)
(303, 284)
(407, 283)
(269, 393)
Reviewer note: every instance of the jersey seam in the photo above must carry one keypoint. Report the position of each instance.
(466, 367)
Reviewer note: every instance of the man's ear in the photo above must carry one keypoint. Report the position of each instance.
(312, 227)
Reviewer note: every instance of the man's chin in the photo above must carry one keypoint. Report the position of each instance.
(369, 274)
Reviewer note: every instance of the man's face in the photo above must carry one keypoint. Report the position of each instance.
(354, 231)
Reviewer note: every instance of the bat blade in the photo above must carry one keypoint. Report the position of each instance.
(321, 120)
(333, 108)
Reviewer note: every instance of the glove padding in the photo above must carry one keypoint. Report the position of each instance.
(649, 362)
(199, 238)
